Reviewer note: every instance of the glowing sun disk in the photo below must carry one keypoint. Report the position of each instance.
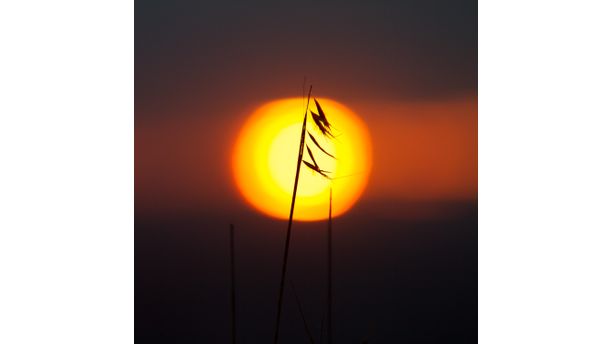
(265, 156)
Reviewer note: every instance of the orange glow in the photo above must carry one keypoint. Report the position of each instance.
(424, 151)
(265, 156)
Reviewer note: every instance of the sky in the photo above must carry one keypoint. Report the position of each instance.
(406, 264)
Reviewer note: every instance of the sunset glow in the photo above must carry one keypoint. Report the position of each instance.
(265, 156)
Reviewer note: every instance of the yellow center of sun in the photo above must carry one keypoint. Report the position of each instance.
(265, 156)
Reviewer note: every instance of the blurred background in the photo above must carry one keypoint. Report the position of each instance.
(405, 255)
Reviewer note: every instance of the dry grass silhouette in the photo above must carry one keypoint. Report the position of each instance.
(329, 270)
(279, 307)
(232, 285)
(324, 126)
(299, 304)
(318, 145)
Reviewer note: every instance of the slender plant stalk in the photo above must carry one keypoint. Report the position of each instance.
(329, 270)
(232, 284)
(279, 307)
(299, 304)
(321, 333)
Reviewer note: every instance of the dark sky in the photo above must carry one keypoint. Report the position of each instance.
(406, 268)
(227, 52)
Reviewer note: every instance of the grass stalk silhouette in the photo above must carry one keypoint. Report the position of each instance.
(232, 284)
(321, 329)
(329, 270)
(299, 304)
(325, 128)
(279, 307)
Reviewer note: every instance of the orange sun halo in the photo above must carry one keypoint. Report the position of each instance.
(265, 157)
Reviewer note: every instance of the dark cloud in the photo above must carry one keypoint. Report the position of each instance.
(190, 52)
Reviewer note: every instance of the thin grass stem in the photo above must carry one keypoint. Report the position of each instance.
(232, 284)
(329, 270)
(299, 304)
(279, 307)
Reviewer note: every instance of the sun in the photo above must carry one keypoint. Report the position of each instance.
(264, 160)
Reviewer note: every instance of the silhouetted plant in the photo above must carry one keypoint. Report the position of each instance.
(279, 307)
(329, 269)
(232, 285)
(299, 304)
(324, 126)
